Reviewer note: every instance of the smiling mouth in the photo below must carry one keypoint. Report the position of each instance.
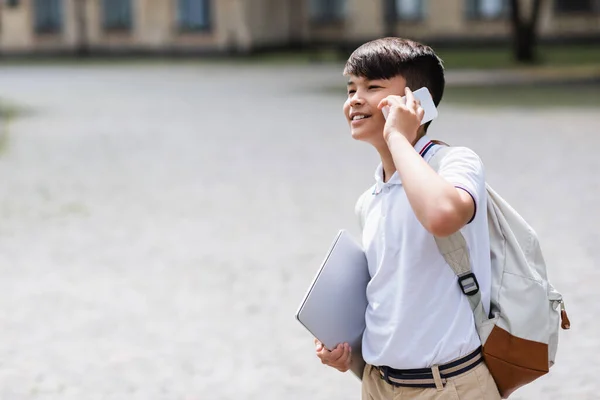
(360, 117)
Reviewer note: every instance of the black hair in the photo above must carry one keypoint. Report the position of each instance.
(389, 57)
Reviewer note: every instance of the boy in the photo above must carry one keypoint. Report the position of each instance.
(420, 339)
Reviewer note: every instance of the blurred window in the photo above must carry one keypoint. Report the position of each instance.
(117, 14)
(194, 15)
(576, 6)
(487, 9)
(47, 16)
(410, 9)
(327, 10)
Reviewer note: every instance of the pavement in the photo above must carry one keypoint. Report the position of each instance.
(159, 226)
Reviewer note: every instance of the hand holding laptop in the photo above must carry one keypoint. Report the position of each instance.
(333, 309)
(340, 358)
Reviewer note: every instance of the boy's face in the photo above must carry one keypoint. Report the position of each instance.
(365, 119)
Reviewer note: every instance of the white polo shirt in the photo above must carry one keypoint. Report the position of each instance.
(417, 315)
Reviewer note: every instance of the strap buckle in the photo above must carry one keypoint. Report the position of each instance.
(468, 284)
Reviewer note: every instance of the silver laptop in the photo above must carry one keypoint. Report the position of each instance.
(333, 309)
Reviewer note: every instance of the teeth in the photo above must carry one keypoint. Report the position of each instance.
(357, 117)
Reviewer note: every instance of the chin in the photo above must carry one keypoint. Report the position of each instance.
(362, 135)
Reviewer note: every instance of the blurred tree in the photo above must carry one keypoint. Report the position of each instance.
(525, 30)
(82, 49)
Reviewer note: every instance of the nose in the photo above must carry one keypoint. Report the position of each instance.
(356, 100)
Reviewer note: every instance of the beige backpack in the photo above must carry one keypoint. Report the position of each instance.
(520, 336)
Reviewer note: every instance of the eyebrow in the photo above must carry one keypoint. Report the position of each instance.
(351, 82)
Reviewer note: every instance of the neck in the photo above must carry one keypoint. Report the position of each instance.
(387, 160)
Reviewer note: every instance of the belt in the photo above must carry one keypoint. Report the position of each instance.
(426, 377)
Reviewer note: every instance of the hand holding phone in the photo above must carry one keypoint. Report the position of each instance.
(427, 104)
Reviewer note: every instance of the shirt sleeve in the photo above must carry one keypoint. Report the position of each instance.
(463, 168)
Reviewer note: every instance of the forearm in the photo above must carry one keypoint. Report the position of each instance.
(435, 202)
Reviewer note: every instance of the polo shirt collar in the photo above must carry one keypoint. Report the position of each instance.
(423, 145)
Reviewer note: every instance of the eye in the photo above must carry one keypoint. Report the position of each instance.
(351, 91)
(374, 87)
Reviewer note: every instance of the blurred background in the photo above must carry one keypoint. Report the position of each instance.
(172, 173)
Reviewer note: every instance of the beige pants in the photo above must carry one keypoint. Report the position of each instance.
(476, 384)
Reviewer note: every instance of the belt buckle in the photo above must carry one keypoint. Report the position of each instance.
(386, 374)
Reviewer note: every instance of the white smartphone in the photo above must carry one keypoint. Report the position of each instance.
(426, 100)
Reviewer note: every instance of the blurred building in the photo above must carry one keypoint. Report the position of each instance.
(171, 26)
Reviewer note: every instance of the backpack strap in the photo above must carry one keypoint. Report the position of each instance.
(454, 250)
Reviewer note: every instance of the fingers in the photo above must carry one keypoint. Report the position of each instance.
(409, 102)
(346, 354)
(383, 103)
(404, 115)
(420, 113)
(322, 353)
(339, 358)
(413, 103)
(410, 98)
(343, 363)
(336, 355)
(391, 101)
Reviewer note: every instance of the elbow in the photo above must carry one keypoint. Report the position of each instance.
(441, 230)
(443, 222)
